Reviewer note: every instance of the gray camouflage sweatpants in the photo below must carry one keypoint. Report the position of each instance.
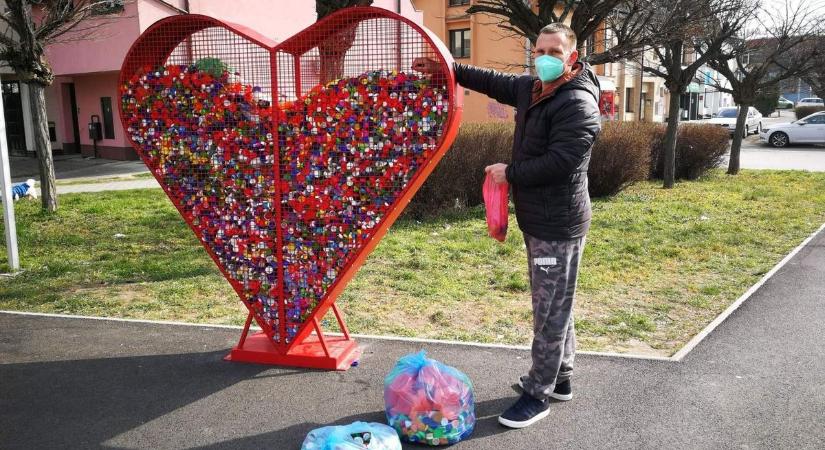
(553, 269)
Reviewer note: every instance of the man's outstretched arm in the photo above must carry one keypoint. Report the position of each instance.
(496, 85)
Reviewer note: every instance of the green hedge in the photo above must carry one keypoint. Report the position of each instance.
(699, 148)
(626, 152)
(621, 156)
(456, 181)
(805, 111)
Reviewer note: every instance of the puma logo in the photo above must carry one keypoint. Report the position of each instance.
(544, 261)
(545, 264)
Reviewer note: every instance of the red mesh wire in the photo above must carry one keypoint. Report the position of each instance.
(289, 162)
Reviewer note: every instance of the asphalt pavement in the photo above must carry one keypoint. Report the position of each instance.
(756, 154)
(74, 167)
(755, 382)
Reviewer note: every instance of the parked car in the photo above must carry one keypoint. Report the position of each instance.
(811, 101)
(784, 103)
(808, 130)
(726, 117)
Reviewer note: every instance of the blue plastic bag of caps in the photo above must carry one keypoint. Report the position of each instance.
(428, 402)
(356, 436)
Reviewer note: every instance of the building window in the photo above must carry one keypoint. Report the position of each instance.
(52, 132)
(688, 56)
(459, 2)
(628, 100)
(460, 43)
(108, 121)
(590, 45)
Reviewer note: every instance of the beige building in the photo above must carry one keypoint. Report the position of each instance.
(476, 39)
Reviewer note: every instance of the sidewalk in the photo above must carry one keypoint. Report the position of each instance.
(76, 169)
(755, 382)
(67, 167)
(147, 183)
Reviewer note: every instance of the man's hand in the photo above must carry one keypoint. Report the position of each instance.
(498, 172)
(425, 65)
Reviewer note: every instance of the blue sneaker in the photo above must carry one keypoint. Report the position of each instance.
(526, 411)
(563, 392)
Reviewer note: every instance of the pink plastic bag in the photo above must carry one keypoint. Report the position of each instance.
(496, 202)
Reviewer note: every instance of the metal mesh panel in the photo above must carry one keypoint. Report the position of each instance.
(245, 62)
(201, 120)
(362, 127)
(285, 179)
(286, 68)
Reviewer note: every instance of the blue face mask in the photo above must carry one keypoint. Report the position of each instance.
(549, 68)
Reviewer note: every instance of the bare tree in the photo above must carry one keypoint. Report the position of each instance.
(22, 47)
(326, 7)
(626, 20)
(776, 44)
(714, 22)
(816, 77)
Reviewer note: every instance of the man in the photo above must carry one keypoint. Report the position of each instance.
(557, 120)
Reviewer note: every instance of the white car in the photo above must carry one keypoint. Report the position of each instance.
(808, 130)
(726, 117)
(811, 101)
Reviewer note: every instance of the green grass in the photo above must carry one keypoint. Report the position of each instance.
(658, 265)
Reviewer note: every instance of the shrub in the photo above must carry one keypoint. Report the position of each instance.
(621, 157)
(767, 101)
(457, 180)
(805, 111)
(699, 148)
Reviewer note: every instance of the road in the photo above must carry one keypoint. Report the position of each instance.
(758, 155)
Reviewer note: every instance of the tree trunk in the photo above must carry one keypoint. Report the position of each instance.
(736, 145)
(669, 172)
(820, 92)
(332, 51)
(43, 146)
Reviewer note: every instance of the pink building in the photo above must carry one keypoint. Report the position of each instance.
(87, 71)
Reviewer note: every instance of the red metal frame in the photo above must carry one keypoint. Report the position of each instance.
(305, 349)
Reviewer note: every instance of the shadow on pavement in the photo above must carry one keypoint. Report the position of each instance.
(486, 413)
(97, 399)
(98, 402)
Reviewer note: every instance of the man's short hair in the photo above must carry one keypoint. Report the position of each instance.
(558, 27)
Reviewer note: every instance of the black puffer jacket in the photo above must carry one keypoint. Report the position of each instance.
(551, 148)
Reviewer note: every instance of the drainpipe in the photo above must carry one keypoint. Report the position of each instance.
(186, 6)
(397, 6)
(641, 86)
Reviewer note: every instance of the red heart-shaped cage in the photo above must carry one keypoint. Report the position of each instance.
(289, 161)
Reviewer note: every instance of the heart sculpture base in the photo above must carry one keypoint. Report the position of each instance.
(315, 352)
(340, 353)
